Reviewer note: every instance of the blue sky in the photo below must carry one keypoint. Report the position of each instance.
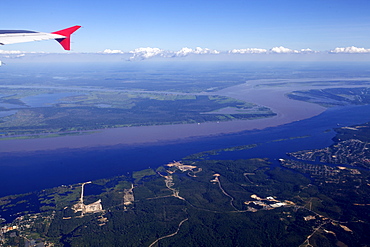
(173, 24)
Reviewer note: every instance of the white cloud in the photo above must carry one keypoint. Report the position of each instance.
(279, 49)
(148, 52)
(109, 51)
(351, 49)
(14, 55)
(10, 52)
(282, 49)
(247, 51)
(19, 55)
(198, 50)
(143, 53)
(308, 50)
(184, 51)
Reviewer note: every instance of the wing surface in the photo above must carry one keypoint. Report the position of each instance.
(20, 36)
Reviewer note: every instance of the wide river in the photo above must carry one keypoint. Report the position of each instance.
(268, 95)
(34, 164)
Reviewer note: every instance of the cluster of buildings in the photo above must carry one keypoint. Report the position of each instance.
(94, 207)
(181, 166)
(6, 229)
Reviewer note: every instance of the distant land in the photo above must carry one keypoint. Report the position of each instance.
(39, 111)
(339, 96)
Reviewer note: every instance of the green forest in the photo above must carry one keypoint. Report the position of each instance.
(202, 202)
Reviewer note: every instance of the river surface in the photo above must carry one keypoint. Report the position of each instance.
(34, 170)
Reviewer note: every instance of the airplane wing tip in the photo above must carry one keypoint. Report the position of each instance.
(66, 42)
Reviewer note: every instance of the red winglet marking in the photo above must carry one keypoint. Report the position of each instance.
(66, 42)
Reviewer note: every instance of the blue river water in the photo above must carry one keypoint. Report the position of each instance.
(26, 172)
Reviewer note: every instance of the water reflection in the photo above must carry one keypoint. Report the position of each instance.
(47, 99)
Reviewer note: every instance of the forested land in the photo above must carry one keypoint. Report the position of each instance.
(36, 111)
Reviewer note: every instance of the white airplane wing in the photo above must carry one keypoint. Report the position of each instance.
(20, 36)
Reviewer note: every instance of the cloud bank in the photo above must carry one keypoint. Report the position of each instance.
(247, 51)
(144, 53)
(109, 51)
(11, 54)
(350, 50)
(198, 50)
(274, 53)
(148, 52)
